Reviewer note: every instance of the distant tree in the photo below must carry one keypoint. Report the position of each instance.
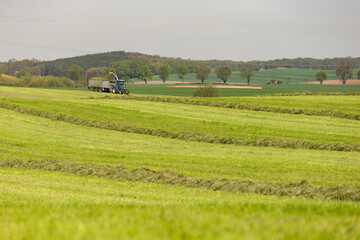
(344, 70)
(76, 73)
(22, 73)
(145, 73)
(224, 72)
(358, 74)
(37, 70)
(288, 79)
(182, 71)
(92, 73)
(247, 71)
(321, 76)
(123, 69)
(2, 68)
(305, 79)
(164, 72)
(202, 72)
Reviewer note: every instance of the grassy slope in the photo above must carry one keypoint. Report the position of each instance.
(44, 205)
(200, 119)
(37, 138)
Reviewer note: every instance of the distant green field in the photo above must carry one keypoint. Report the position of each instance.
(296, 75)
(39, 204)
(266, 89)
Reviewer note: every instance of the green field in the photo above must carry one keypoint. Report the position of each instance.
(296, 75)
(84, 202)
(158, 89)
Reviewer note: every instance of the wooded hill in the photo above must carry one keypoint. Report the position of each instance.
(59, 67)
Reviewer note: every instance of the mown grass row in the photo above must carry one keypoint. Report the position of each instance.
(237, 105)
(297, 189)
(198, 137)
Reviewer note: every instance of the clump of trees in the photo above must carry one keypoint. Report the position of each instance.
(224, 73)
(344, 70)
(321, 76)
(247, 71)
(206, 90)
(202, 72)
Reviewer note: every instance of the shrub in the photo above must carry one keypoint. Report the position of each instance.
(207, 90)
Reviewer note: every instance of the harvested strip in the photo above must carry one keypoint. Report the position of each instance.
(297, 189)
(197, 137)
(237, 105)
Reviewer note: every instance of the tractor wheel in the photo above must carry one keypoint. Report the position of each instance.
(114, 90)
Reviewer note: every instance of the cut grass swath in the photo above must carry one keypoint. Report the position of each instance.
(297, 189)
(266, 142)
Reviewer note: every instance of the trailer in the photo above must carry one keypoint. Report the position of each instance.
(113, 86)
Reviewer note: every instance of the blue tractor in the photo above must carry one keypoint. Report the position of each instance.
(118, 86)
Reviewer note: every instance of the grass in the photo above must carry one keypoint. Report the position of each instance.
(38, 204)
(37, 138)
(346, 104)
(43, 205)
(201, 119)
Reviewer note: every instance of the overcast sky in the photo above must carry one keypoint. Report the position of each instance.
(197, 29)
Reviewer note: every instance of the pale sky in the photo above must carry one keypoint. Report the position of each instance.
(198, 29)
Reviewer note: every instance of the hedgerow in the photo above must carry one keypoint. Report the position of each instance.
(198, 137)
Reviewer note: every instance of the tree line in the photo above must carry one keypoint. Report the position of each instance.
(60, 67)
(143, 67)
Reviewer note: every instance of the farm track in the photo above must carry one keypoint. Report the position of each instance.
(167, 177)
(237, 105)
(266, 142)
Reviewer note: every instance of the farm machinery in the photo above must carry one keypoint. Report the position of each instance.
(275, 82)
(113, 86)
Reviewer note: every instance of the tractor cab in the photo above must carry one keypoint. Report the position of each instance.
(121, 87)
